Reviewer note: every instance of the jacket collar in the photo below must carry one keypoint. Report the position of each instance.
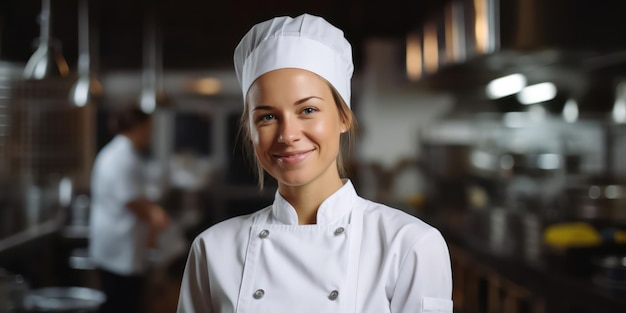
(124, 141)
(338, 205)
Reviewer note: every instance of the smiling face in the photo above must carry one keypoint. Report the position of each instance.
(295, 127)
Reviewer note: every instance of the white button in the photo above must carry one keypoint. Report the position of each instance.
(339, 231)
(259, 294)
(264, 234)
(333, 295)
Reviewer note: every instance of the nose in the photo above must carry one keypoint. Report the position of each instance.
(289, 130)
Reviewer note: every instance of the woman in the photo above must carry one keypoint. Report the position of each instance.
(319, 247)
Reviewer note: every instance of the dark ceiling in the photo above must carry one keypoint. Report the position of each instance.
(196, 34)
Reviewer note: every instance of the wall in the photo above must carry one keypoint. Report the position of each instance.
(391, 110)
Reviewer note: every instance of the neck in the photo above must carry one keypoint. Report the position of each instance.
(306, 199)
(133, 139)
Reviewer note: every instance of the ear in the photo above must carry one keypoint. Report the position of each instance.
(346, 122)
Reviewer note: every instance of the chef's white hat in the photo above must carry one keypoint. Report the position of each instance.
(306, 42)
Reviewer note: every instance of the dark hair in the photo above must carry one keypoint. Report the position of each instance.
(126, 119)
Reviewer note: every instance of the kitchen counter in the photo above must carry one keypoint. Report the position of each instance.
(542, 282)
(22, 234)
(28, 234)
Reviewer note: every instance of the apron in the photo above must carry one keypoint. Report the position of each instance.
(302, 268)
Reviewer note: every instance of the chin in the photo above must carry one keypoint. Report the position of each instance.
(293, 179)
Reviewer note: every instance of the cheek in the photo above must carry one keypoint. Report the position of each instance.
(262, 140)
(254, 135)
(327, 129)
(252, 131)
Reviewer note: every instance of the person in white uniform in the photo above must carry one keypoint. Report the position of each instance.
(319, 247)
(123, 222)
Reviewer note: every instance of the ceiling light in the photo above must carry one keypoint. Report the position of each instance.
(414, 57)
(537, 93)
(515, 119)
(537, 113)
(431, 48)
(549, 161)
(505, 86)
(570, 111)
(205, 86)
(619, 107)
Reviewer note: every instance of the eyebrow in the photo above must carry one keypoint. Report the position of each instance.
(303, 100)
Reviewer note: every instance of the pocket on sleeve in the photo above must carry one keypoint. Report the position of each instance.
(436, 305)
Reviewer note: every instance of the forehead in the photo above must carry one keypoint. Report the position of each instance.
(288, 83)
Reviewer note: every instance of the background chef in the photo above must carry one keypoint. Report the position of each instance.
(124, 223)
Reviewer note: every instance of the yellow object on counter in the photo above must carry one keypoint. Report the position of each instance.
(571, 235)
(620, 237)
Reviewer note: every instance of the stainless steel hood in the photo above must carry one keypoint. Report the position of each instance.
(577, 45)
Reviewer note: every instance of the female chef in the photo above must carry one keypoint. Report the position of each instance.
(319, 247)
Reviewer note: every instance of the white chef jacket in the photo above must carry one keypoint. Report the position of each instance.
(360, 257)
(118, 239)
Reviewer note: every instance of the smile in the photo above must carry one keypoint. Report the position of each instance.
(293, 157)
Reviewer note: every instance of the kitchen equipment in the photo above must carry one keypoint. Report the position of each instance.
(47, 61)
(611, 272)
(445, 160)
(84, 87)
(571, 235)
(446, 166)
(13, 288)
(64, 300)
(596, 202)
(152, 94)
(79, 215)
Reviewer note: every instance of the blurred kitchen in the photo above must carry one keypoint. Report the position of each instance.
(500, 122)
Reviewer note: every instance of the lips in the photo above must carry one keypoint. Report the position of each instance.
(293, 157)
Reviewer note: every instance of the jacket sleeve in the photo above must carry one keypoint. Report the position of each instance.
(424, 281)
(195, 293)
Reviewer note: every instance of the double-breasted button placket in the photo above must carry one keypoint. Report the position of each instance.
(333, 295)
(264, 234)
(260, 293)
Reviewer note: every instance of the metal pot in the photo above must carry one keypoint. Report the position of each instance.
(64, 300)
(12, 290)
(611, 272)
(603, 202)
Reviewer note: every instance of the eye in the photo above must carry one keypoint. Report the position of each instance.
(266, 117)
(309, 110)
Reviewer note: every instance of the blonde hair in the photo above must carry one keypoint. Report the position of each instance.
(346, 141)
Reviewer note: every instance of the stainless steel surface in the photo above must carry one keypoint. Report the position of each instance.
(611, 272)
(28, 234)
(47, 155)
(47, 61)
(152, 95)
(596, 202)
(64, 299)
(82, 90)
(518, 33)
(446, 161)
(10, 74)
(13, 288)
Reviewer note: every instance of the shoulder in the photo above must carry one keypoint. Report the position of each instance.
(118, 151)
(396, 226)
